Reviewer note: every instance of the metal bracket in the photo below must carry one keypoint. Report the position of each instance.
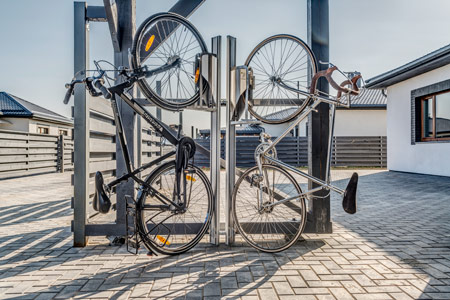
(208, 75)
(132, 237)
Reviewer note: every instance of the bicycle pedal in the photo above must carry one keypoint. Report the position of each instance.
(114, 207)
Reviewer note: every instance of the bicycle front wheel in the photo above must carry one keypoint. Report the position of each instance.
(161, 39)
(171, 231)
(286, 58)
(267, 227)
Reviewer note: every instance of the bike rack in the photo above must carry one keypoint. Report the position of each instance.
(211, 102)
(210, 71)
(238, 86)
(83, 188)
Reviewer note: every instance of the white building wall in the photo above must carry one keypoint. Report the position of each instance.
(17, 124)
(53, 128)
(276, 130)
(28, 125)
(349, 122)
(360, 122)
(427, 157)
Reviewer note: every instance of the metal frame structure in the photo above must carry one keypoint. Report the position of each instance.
(121, 20)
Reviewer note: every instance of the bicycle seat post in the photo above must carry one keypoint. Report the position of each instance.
(179, 131)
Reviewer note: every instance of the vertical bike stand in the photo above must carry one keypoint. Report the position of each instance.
(238, 89)
(209, 64)
(230, 150)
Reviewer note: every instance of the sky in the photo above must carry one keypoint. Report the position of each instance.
(36, 38)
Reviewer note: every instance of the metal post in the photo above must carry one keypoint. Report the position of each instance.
(139, 138)
(126, 10)
(81, 127)
(61, 153)
(215, 144)
(318, 39)
(230, 146)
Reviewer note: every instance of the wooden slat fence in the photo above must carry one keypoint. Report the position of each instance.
(23, 153)
(360, 151)
(347, 151)
(292, 150)
(150, 146)
(102, 145)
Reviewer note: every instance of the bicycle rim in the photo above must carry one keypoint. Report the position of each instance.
(160, 38)
(271, 229)
(289, 59)
(158, 227)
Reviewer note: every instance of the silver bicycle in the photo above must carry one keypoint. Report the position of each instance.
(268, 204)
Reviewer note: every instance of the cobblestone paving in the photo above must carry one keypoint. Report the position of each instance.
(396, 247)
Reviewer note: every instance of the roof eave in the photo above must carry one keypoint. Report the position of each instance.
(52, 120)
(364, 107)
(408, 71)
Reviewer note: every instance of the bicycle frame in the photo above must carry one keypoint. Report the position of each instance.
(159, 126)
(310, 108)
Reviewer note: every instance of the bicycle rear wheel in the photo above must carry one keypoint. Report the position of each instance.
(280, 57)
(160, 39)
(174, 232)
(268, 229)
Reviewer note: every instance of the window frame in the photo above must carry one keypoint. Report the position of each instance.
(416, 110)
(45, 128)
(423, 138)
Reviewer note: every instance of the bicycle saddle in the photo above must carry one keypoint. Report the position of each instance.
(101, 202)
(349, 200)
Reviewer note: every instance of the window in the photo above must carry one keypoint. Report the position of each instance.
(42, 130)
(62, 132)
(435, 117)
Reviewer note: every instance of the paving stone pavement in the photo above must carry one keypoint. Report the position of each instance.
(397, 246)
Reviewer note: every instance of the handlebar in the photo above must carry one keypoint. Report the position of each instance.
(354, 90)
(68, 94)
(97, 82)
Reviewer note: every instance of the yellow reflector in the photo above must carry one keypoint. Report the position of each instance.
(197, 75)
(149, 42)
(163, 240)
(189, 177)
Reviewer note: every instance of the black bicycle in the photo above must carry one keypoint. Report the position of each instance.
(174, 203)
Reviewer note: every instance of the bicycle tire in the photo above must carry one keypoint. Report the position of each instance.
(257, 240)
(158, 24)
(153, 240)
(273, 113)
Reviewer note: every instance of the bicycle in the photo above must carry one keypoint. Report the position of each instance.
(174, 203)
(284, 68)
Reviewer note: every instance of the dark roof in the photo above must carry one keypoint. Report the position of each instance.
(368, 98)
(431, 61)
(10, 107)
(13, 106)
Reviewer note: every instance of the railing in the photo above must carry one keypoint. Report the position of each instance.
(367, 151)
(23, 153)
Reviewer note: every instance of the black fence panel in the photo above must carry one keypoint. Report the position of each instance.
(360, 151)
